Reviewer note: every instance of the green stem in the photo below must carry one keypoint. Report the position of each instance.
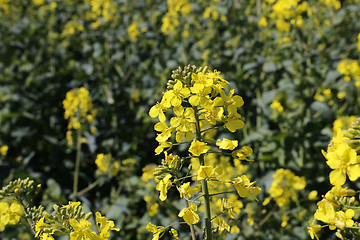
(88, 188)
(77, 163)
(204, 186)
(193, 237)
(26, 214)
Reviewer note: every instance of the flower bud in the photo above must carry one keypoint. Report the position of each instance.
(88, 216)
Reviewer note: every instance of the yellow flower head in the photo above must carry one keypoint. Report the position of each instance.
(197, 148)
(188, 214)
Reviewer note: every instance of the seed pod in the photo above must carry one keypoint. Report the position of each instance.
(88, 216)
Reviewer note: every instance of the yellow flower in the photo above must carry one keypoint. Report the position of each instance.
(163, 186)
(105, 226)
(157, 231)
(221, 224)
(244, 187)
(158, 110)
(313, 229)
(227, 144)
(82, 230)
(243, 153)
(262, 22)
(277, 106)
(184, 121)
(40, 225)
(174, 234)
(343, 159)
(326, 209)
(197, 148)
(3, 150)
(284, 186)
(175, 96)
(204, 172)
(46, 236)
(343, 219)
(133, 31)
(186, 189)
(188, 214)
(10, 214)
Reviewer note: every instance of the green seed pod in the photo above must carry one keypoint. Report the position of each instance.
(62, 211)
(88, 216)
(82, 215)
(56, 208)
(205, 69)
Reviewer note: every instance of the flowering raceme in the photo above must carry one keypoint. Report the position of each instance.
(198, 104)
(78, 110)
(338, 207)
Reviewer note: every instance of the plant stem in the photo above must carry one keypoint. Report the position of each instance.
(204, 186)
(77, 163)
(22, 204)
(88, 188)
(193, 237)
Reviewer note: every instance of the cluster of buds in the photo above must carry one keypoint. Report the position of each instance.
(18, 187)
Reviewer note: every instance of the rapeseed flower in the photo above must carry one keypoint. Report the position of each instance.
(197, 148)
(188, 214)
(82, 230)
(343, 159)
(10, 214)
(313, 229)
(158, 231)
(163, 186)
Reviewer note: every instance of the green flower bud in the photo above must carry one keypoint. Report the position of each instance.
(88, 216)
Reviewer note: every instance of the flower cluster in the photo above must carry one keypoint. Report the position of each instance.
(198, 105)
(284, 189)
(338, 207)
(106, 164)
(350, 69)
(66, 220)
(71, 220)
(78, 110)
(176, 10)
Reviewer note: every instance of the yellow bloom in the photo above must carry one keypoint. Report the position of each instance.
(343, 219)
(186, 189)
(204, 172)
(343, 159)
(3, 150)
(227, 144)
(197, 148)
(163, 186)
(46, 236)
(262, 22)
(174, 234)
(277, 106)
(245, 188)
(40, 225)
(188, 214)
(158, 110)
(10, 214)
(157, 231)
(105, 226)
(243, 153)
(326, 209)
(82, 230)
(313, 229)
(175, 96)
(284, 186)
